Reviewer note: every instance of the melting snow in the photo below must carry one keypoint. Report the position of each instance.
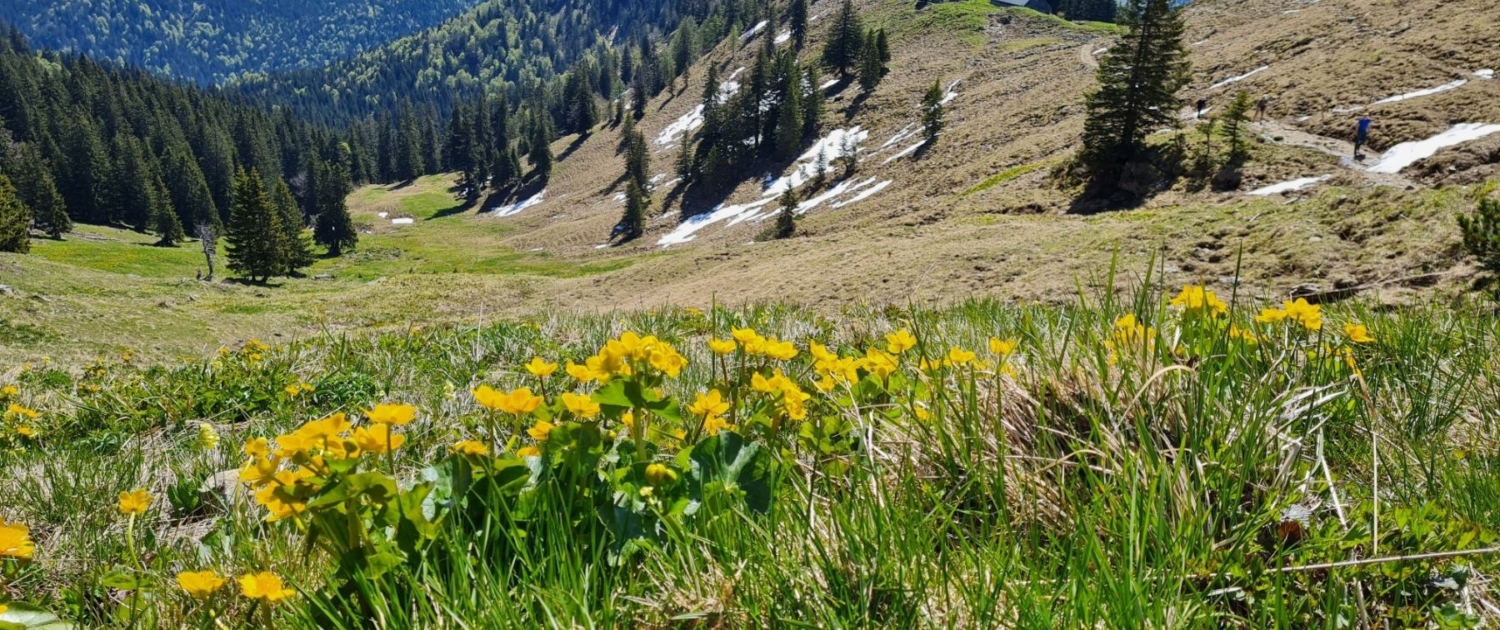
(403, 221)
(1408, 153)
(694, 119)
(906, 132)
(1485, 74)
(904, 152)
(1199, 43)
(620, 197)
(1427, 92)
(864, 194)
(828, 84)
(782, 37)
(1101, 51)
(754, 30)
(505, 211)
(1296, 184)
(688, 229)
(949, 94)
(806, 166)
(1239, 78)
(382, 214)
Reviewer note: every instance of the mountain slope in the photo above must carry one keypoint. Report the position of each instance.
(211, 40)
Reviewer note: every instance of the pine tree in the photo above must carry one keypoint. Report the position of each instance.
(1236, 116)
(164, 222)
(187, 189)
(637, 159)
(685, 166)
(812, 103)
(841, 52)
(540, 141)
(786, 221)
(798, 16)
(296, 247)
(332, 227)
(883, 45)
(870, 68)
(35, 188)
(684, 46)
(86, 172)
(789, 121)
(130, 198)
(1139, 79)
(633, 223)
(15, 220)
(254, 230)
(639, 97)
(409, 164)
(932, 112)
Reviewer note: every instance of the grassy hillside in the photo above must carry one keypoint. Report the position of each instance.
(1158, 459)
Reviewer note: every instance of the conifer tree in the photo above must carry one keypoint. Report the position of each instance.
(812, 103)
(786, 220)
(639, 97)
(332, 227)
(637, 159)
(254, 230)
(797, 14)
(845, 40)
(540, 140)
(296, 247)
(409, 163)
(1235, 118)
(633, 223)
(186, 188)
(15, 220)
(1139, 79)
(683, 47)
(883, 44)
(36, 189)
(684, 166)
(870, 68)
(87, 172)
(789, 126)
(164, 222)
(932, 112)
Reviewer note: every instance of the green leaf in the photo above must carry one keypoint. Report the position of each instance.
(27, 617)
(728, 460)
(121, 579)
(612, 395)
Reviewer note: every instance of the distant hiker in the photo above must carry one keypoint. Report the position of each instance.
(1260, 108)
(1361, 134)
(1202, 105)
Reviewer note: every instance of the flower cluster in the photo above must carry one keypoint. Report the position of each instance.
(628, 355)
(1299, 312)
(1198, 299)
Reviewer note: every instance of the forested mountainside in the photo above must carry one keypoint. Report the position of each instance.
(514, 46)
(96, 143)
(211, 40)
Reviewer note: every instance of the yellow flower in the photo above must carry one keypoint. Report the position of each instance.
(580, 404)
(208, 437)
(15, 541)
(713, 424)
(1003, 347)
(710, 403)
(1271, 316)
(4, 609)
(27, 432)
(519, 401)
(540, 368)
(321, 430)
(1357, 333)
(528, 451)
(377, 439)
(135, 502)
(200, 584)
(392, 414)
(1309, 315)
(257, 447)
(660, 474)
(21, 412)
(540, 430)
(780, 350)
(959, 356)
(721, 346)
(9, 391)
(292, 390)
(745, 336)
(258, 471)
(1235, 332)
(265, 586)
(470, 447)
(899, 341)
(1199, 298)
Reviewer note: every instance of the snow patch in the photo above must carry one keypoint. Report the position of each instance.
(601, 246)
(403, 221)
(1101, 51)
(619, 197)
(1486, 73)
(694, 119)
(688, 229)
(1427, 92)
(782, 37)
(1239, 78)
(512, 209)
(754, 30)
(906, 132)
(1408, 153)
(382, 214)
(903, 153)
(864, 194)
(828, 84)
(1296, 184)
(1199, 42)
(949, 94)
(831, 145)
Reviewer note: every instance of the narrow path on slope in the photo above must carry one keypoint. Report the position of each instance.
(1279, 132)
(1086, 54)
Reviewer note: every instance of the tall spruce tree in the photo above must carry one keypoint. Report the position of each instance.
(254, 230)
(812, 103)
(36, 189)
(1236, 116)
(870, 68)
(540, 142)
(933, 117)
(333, 228)
(15, 220)
(1139, 79)
(296, 247)
(797, 14)
(164, 222)
(789, 121)
(187, 189)
(786, 220)
(633, 223)
(841, 52)
(637, 159)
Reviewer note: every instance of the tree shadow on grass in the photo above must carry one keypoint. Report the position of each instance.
(573, 146)
(458, 208)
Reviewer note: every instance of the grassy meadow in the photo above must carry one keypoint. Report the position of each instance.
(1169, 459)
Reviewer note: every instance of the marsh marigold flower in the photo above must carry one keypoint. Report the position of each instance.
(265, 586)
(377, 439)
(9, 391)
(958, 356)
(15, 541)
(528, 451)
(1003, 347)
(660, 474)
(1197, 298)
(899, 341)
(519, 401)
(580, 405)
(539, 368)
(1357, 333)
(469, 447)
(392, 414)
(200, 584)
(135, 502)
(540, 430)
(721, 346)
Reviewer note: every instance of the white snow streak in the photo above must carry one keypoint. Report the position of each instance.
(1239, 78)
(782, 37)
(806, 166)
(949, 94)
(382, 214)
(512, 209)
(753, 30)
(1420, 93)
(688, 229)
(403, 221)
(904, 152)
(1408, 153)
(863, 195)
(828, 84)
(1486, 73)
(906, 132)
(694, 119)
(1296, 184)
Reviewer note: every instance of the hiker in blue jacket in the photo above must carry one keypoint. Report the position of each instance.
(1361, 134)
